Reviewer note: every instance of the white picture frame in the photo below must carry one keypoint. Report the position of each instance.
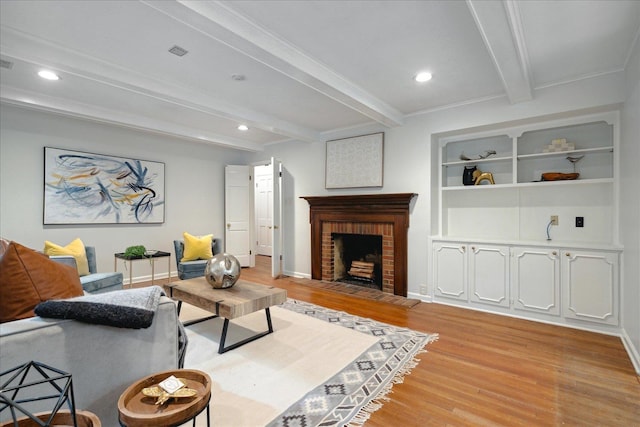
(355, 162)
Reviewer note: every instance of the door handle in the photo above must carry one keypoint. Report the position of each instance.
(228, 225)
(275, 227)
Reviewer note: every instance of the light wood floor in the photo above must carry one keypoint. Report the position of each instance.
(493, 370)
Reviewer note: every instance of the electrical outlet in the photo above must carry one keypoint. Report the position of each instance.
(554, 219)
(579, 221)
(424, 290)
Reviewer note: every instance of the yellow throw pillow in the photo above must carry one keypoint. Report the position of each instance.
(196, 247)
(75, 249)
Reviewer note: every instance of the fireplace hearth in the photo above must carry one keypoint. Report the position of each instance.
(382, 215)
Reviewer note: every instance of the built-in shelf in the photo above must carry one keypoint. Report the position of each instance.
(478, 161)
(519, 204)
(567, 153)
(489, 187)
(493, 247)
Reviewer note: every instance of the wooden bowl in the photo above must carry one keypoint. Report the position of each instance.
(557, 176)
(138, 410)
(62, 418)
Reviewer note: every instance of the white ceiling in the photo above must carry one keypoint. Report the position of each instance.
(311, 66)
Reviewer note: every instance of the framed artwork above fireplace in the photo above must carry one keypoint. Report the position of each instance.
(355, 162)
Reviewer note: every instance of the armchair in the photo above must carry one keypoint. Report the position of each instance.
(94, 282)
(191, 269)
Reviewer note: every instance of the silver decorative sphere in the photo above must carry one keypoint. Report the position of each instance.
(222, 271)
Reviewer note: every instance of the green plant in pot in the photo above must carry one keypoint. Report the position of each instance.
(132, 251)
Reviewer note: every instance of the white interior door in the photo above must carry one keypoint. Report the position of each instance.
(263, 176)
(276, 230)
(239, 213)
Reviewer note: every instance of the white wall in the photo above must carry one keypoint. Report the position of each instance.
(408, 165)
(195, 175)
(194, 184)
(630, 208)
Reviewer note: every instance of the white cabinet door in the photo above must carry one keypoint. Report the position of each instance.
(489, 274)
(536, 279)
(450, 270)
(590, 283)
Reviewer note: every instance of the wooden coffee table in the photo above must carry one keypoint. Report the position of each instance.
(239, 300)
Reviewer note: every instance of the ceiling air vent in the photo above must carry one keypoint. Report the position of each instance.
(6, 64)
(179, 51)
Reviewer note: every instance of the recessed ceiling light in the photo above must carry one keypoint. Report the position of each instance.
(243, 127)
(48, 74)
(423, 77)
(238, 77)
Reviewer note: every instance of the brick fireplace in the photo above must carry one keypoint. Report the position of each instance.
(385, 215)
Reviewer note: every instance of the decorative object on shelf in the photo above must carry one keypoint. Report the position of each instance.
(485, 176)
(222, 271)
(36, 376)
(574, 160)
(559, 144)
(89, 188)
(474, 176)
(355, 162)
(558, 176)
(485, 155)
(468, 176)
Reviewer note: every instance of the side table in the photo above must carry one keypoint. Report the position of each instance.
(137, 410)
(152, 259)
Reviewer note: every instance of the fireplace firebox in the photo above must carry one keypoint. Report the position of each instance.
(357, 259)
(383, 215)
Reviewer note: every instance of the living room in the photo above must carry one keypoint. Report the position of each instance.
(195, 176)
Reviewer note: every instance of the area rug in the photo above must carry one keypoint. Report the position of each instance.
(320, 367)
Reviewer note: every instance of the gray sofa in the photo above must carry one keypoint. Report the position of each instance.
(94, 282)
(191, 269)
(103, 360)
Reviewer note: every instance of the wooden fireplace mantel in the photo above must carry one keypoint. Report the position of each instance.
(370, 208)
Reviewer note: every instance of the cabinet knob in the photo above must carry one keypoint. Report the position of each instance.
(463, 247)
(554, 253)
(473, 248)
(568, 254)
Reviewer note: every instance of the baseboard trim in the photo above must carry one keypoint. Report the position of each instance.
(423, 298)
(296, 274)
(632, 351)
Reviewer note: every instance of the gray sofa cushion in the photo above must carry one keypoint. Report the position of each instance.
(94, 283)
(98, 283)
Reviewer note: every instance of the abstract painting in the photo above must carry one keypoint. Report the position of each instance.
(355, 162)
(87, 188)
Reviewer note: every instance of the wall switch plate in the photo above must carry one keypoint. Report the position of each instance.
(579, 221)
(554, 219)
